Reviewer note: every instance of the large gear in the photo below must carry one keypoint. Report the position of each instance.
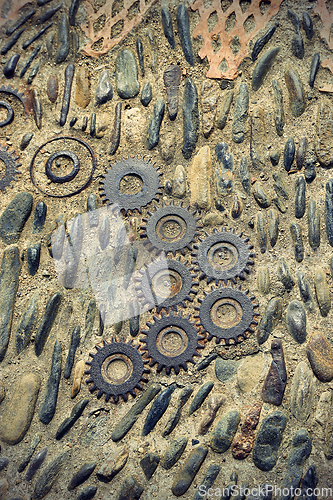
(227, 313)
(166, 283)
(161, 342)
(101, 373)
(142, 169)
(170, 228)
(223, 256)
(9, 160)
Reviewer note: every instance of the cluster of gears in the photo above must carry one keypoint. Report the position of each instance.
(171, 341)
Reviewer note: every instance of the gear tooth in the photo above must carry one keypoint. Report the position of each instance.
(89, 380)
(139, 386)
(92, 388)
(115, 398)
(99, 394)
(132, 393)
(209, 280)
(176, 368)
(125, 397)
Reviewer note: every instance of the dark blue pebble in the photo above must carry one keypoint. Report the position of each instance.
(75, 342)
(158, 409)
(183, 24)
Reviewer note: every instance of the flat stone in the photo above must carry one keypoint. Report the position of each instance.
(225, 368)
(296, 321)
(149, 464)
(243, 444)
(155, 123)
(174, 451)
(224, 109)
(209, 96)
(26, 325)
(49, 403)
(224, 169)
(81, 475)
(14, 217)
(158, 409)
(323, 407)
(88, 493)
(224, 431)
(268, 441)
(302, 392)
(179, 182)
(82, 91)
(324, 135)
(49, 475)
(189, 470)
(249, 372)
(208, 481)
(276, 380)
(167, 146)
(214, 403)
(171, 77)
(17, 416)
(320, 354)
(212, 219)
(127, 74)
(240, 113)
(262, 67)
(112, 465)
(104, 91)
(200, 397)
(146, 94)
(130, 489)
(199, 179)
(296, 93)
(323, 293)
(190, 118)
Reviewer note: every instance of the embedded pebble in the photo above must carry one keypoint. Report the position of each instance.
(63, 39)
(279, 186)
(11, 42)
(261, 232)
(189, 470)
(174, 451)
(268, 441)
(155, 123)
(309, 167)
(49, 475)
(297, 46)
(273, 226)
(245, 175)
(278, 104)
(4, 461)
(149, 464)
(199, 178)
(74, 344)
(104, 91)
(47, 321)
(82, 91)
(134, 321)
(10, 66)
(270, 319)
(68, 423)
(78, 374)
(208, 481)
(200, 397)
(130, 488)
(209, 97)
(323, 407)
(296, 235)
(31, 450)
(305, 291)
(249, 372)
(9, 281)
(243, 444)
(127, 422)
(225, 368)
(49, 403)
(263, 280)
(224, 431)
(300, 197)
(320, 354)
(126, 74)
(261, 196)
(240, 113)
(190, 118)
(179, 182)
(300, 450)
(139, 51)
(263, 66)
(183, 25)
(214, 404)
(275, 158)
(25, 141)
(307, 25)
(296, 321)
(276, 380)
(296, 94)
(328, 211)
(112, 465)
(323, 294)
(224, 109)
(258, 140)
(36, 464)
(175, 416)
(310, 480)
(328, 448)
(2, 391)
(171, 78)
(302, 392)
(69, 75)
(39, 217)
(81, 475)
(14, 217)
(17, 416)
(289, 153)
(33, 258)
(158, 409)
(146, 94)
(314, 225)
(26, 325)
(262, 41)
(88, 493)
(301, 152)
(167, 26)
(224, 169)
(284, 274)
(115, 135)
(314, 68)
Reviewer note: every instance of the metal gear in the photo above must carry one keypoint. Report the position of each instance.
(162, 350)
(227, 313)
(9, 160)
(19, 95)
(223, 256)
(170, 228)
(101, 375)
(166, 283)
(139, 167)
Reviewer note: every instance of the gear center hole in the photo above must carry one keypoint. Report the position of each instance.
(172, 341)
(131, 184)
(116, 369)
(171, 228)
(226, 313)
(166, 283)
(222, 256)
(3, 114)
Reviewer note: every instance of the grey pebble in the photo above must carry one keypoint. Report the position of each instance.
(296, 235)
(289, 153)
(305, 291)
(270, 319)
(284, 274)
(240, 113)
(268, 440)
(200, 397)
(149, 464)
(81, 475)
(155, 123)
(175, 416)
(88, 493)
(223, 433)
(189, 470)
(183, 25)
(296, 321)
(263, 66)
(300, 197)
(49, 474)
(126, 74)
(261, 232)
(49, 403)
(104, 91)
(47, 321)
(30, 451)
(190, 118)
(158, 409)
(26, 325)
(63, 39)
(146, 94)
(174, 451)
(36, 464)
(278, 111)
(14, 217)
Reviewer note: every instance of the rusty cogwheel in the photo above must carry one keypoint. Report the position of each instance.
(102, 373)
(227, 313)
(9, 160)
(171, 342)
(223, 256)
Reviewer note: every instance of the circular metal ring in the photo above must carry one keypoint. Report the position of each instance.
(10, 113)
(63, 178)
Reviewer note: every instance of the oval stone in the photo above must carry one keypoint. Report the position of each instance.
(127, 75)
(302, 392)
(320, 355)
(296, 321)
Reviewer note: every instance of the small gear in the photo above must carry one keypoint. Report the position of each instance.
(19, 95)
(144, 170)
(227, 313)
(170, 228)
(166, 283)
(9, 160)
(102, 373)
(223, 256)
(171, 342)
